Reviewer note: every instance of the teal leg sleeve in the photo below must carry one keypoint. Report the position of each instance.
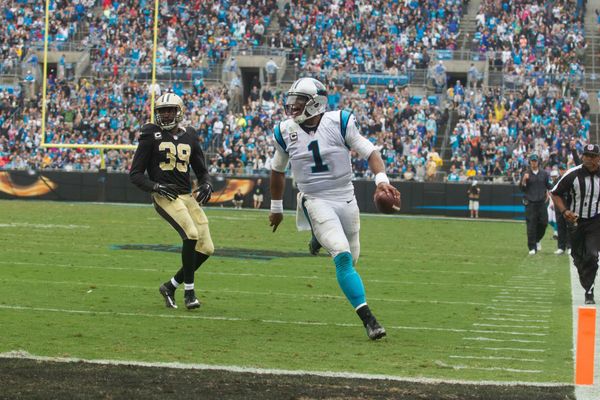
(553, 225)
(349, 280)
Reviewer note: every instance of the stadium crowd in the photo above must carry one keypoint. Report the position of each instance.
(491, 140)
(384, 36)
(497, 130)
(530, 38)
(193, 34)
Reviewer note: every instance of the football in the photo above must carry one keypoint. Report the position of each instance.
(385, 202)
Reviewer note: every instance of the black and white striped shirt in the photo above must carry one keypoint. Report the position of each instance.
(583, 188)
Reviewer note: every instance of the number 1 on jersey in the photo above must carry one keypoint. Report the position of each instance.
(319, 166)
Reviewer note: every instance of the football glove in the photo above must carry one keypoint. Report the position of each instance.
(203, 193)
(169, 191)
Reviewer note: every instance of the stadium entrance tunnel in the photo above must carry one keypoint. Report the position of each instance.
(457, 76)
(252, 254)
(250, 78)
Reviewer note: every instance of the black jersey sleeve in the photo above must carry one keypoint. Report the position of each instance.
(141, 159)
(197, 160)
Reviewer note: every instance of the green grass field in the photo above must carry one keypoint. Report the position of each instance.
(460, 299)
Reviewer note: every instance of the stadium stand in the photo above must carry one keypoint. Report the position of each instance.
(446, 90)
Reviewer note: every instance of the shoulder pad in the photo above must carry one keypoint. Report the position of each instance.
(148, 131)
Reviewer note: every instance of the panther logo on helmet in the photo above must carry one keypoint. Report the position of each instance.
(306, 98)
(168, 111)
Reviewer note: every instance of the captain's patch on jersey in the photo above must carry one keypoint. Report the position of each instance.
(293, 136)
(157, 135)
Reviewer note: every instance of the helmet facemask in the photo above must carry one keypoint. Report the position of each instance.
(295, 107)
(306, 99)
(168, 111)
(168, 117)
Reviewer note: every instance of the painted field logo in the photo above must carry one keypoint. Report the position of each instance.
(253, 254)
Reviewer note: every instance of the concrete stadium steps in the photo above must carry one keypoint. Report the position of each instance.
(468, 25)
(445, 149)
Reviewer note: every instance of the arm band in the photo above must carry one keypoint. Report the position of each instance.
(277, 206)
(381, 177)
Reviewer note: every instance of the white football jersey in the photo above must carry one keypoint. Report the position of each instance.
(320, 160)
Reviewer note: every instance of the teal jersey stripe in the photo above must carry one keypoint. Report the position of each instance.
(344, 118)
(279, 137)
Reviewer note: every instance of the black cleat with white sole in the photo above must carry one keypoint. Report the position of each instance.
(168, 295)
(374, 330)
(191, 302)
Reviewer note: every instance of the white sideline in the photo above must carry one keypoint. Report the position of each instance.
(591, 392)
(268, 371)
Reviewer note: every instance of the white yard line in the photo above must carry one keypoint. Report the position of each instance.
(20, 354)
(488, 339)
(534, 310)
(513, 315)
(513, 326)
(543, 321)
(528, 350)
(236, 319)
(513, 302)
(521, 371)
(252, 293)
(42, 226)
(274, 276)
(584, 392)
(499, 358)
(508, 296)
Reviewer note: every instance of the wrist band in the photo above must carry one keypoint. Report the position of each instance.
(277, 206)
(381, 177)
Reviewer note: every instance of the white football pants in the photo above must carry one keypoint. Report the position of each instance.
(335, 224)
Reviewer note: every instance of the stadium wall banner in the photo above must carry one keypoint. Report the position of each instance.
(443, 199)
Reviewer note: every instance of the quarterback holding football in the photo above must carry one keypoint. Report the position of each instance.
(317, 145)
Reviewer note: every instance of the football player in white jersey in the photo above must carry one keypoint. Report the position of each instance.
(317, 145)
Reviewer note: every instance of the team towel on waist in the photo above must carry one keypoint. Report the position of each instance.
(302, 222)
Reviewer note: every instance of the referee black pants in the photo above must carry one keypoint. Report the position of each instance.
(563, 233)
(536, 216)
(585, 242)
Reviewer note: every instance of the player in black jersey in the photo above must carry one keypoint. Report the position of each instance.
(166, 151)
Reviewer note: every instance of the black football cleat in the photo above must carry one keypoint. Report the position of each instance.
(314, 246)
(589, 298)
(374, 330)
(191, 302)
(169, 296)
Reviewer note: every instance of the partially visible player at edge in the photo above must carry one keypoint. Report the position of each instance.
(317, 144)
(166, 150)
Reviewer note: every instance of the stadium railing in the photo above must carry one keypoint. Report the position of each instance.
(514, 81)
(460, 55)
(259, 51)
(415, 77)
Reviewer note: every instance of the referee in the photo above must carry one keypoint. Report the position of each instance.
(535, 185)
(582, 183)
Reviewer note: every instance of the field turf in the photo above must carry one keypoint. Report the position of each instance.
(460, 299)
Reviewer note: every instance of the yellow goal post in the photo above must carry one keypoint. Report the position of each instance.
(100, 147)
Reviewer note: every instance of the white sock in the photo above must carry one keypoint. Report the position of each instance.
(188, 286)
(174, 282)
